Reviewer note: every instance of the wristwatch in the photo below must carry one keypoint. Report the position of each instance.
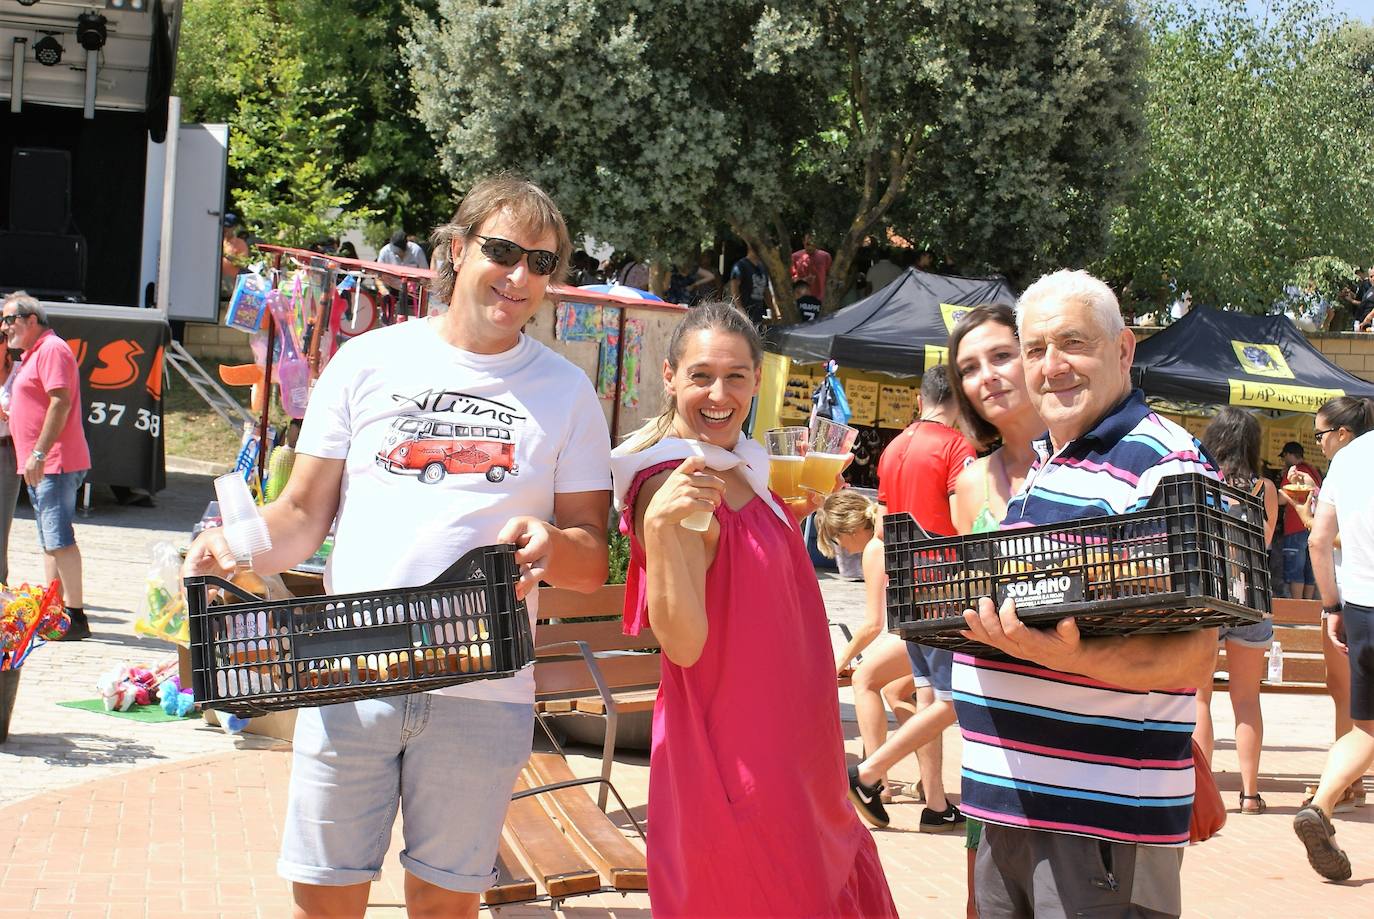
(1333, 610)
(38, 454)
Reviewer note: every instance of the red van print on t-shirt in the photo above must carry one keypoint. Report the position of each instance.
(421, 446)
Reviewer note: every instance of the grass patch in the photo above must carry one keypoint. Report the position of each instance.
(194, 430)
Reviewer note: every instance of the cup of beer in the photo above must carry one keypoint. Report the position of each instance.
(830, 443)
(786, 456)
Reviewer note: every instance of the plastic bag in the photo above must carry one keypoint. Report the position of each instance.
(162, 611)
(248, 303)
(829, 400)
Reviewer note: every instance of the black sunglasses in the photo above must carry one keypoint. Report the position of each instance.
(508, 254)
(1318, 435)
(7, 320)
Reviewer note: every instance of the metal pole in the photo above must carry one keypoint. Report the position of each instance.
(21, 51)
(169, 188)
(619, 371)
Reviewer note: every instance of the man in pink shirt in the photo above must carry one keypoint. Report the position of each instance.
(812, 265)
(49, 443)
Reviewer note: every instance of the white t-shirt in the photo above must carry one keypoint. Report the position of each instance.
(1347, 490)
(442, 448)
(413, 257)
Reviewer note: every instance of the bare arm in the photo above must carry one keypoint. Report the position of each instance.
(1325, 537)
(875, 617)
(676, 558)
(1270, 498)
(298, 521)
(1178, 660)
(571, 552)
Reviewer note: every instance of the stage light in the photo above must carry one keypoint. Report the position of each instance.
(90, 31)
(48, 51)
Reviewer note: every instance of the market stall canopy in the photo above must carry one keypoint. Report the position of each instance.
(901, 329)
(1235, 359)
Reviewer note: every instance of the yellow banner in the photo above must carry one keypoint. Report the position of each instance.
(896, 406)
(936, 354)
(951, 313)
(1261, 360)
(1277, 395)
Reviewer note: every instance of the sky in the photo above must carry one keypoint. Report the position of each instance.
(1362, 10)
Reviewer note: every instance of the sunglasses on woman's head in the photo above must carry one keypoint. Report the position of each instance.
(508, 254)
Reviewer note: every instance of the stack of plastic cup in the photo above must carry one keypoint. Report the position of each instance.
(244, 528)
(698, 521)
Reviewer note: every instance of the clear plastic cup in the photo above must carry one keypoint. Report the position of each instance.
(244, 528)
(830, 444)
(787, 448)
(699, 521)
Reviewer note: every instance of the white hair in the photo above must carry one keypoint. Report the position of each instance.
(1074, 286)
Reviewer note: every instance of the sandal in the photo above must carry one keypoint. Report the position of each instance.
(1350, 799)
(1256, 807)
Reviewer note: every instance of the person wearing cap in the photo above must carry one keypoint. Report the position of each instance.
(402, 251)
(234, 253)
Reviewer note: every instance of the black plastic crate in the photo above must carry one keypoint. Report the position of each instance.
(261, 655)
(1194, 558)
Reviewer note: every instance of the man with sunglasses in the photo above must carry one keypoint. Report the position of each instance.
(449, 757)
(49, 443)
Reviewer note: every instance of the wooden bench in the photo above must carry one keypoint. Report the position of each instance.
(586, 667)
(1298, 630)
(557, 844)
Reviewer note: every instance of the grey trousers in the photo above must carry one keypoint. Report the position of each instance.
(9, 495)
(1024, 873)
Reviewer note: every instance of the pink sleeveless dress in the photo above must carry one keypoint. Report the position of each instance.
(748, 807)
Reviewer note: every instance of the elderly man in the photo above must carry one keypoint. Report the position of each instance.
(1077, 753)
(49, 443)
(450, 757)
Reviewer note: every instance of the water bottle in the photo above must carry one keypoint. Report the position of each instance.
(1276, 663)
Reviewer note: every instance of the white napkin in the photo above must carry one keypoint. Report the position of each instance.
(626, 463)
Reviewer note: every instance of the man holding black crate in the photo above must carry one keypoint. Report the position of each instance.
(1077, 754)
(525, 459)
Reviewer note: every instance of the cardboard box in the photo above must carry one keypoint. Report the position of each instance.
(280, 725)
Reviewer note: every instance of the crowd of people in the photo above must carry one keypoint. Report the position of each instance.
(1077, 767)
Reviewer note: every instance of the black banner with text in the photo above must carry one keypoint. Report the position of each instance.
(121, 393)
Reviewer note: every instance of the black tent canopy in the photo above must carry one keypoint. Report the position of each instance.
(1236, 359)
(894, 329)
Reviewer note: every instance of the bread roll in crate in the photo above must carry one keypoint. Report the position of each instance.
(258, 655)
(1193, 558)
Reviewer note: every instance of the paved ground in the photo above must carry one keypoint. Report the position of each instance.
(103, 817)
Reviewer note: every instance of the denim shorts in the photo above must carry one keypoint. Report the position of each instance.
(450, 763)
(54, 508)
(1252, 635)
(932, 667)
(1297, 564)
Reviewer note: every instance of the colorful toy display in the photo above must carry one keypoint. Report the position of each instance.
(174, 699)
(163, 612)
(30, 617)
(121, 688)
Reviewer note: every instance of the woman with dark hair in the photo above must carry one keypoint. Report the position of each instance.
(1233, 441)
(1338, 422)
(749, 813)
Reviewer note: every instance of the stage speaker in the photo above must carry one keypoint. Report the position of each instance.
(40, 190)
(49, 266)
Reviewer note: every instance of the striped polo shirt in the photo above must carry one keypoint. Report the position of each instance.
(1061, 752)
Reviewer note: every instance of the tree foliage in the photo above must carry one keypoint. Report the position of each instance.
(322, 128)
(1259, 156)
(1000, 130)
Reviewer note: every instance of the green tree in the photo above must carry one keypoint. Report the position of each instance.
(1002, 129)
(242, 62)
(1259, 155)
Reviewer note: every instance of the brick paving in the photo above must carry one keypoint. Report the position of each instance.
(103, 817)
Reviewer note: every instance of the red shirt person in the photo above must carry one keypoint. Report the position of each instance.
(1297, 565)
(918, 469)
(812, 265)
(49, 443)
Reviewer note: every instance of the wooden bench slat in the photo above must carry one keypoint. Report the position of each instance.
(1299, 638)
(1296, 612)
(556, 864)
(619, 671)
(556, 603)
(599, 636)
(513, 883)
(625, 702)
(618, 860)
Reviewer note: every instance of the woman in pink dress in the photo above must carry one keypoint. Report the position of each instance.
(748, 814)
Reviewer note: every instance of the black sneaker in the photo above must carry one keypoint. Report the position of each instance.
(866, 799)
(79, 628)
(951, 818)
(1317, 834)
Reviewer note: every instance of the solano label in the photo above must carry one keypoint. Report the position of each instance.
(1038, 590)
